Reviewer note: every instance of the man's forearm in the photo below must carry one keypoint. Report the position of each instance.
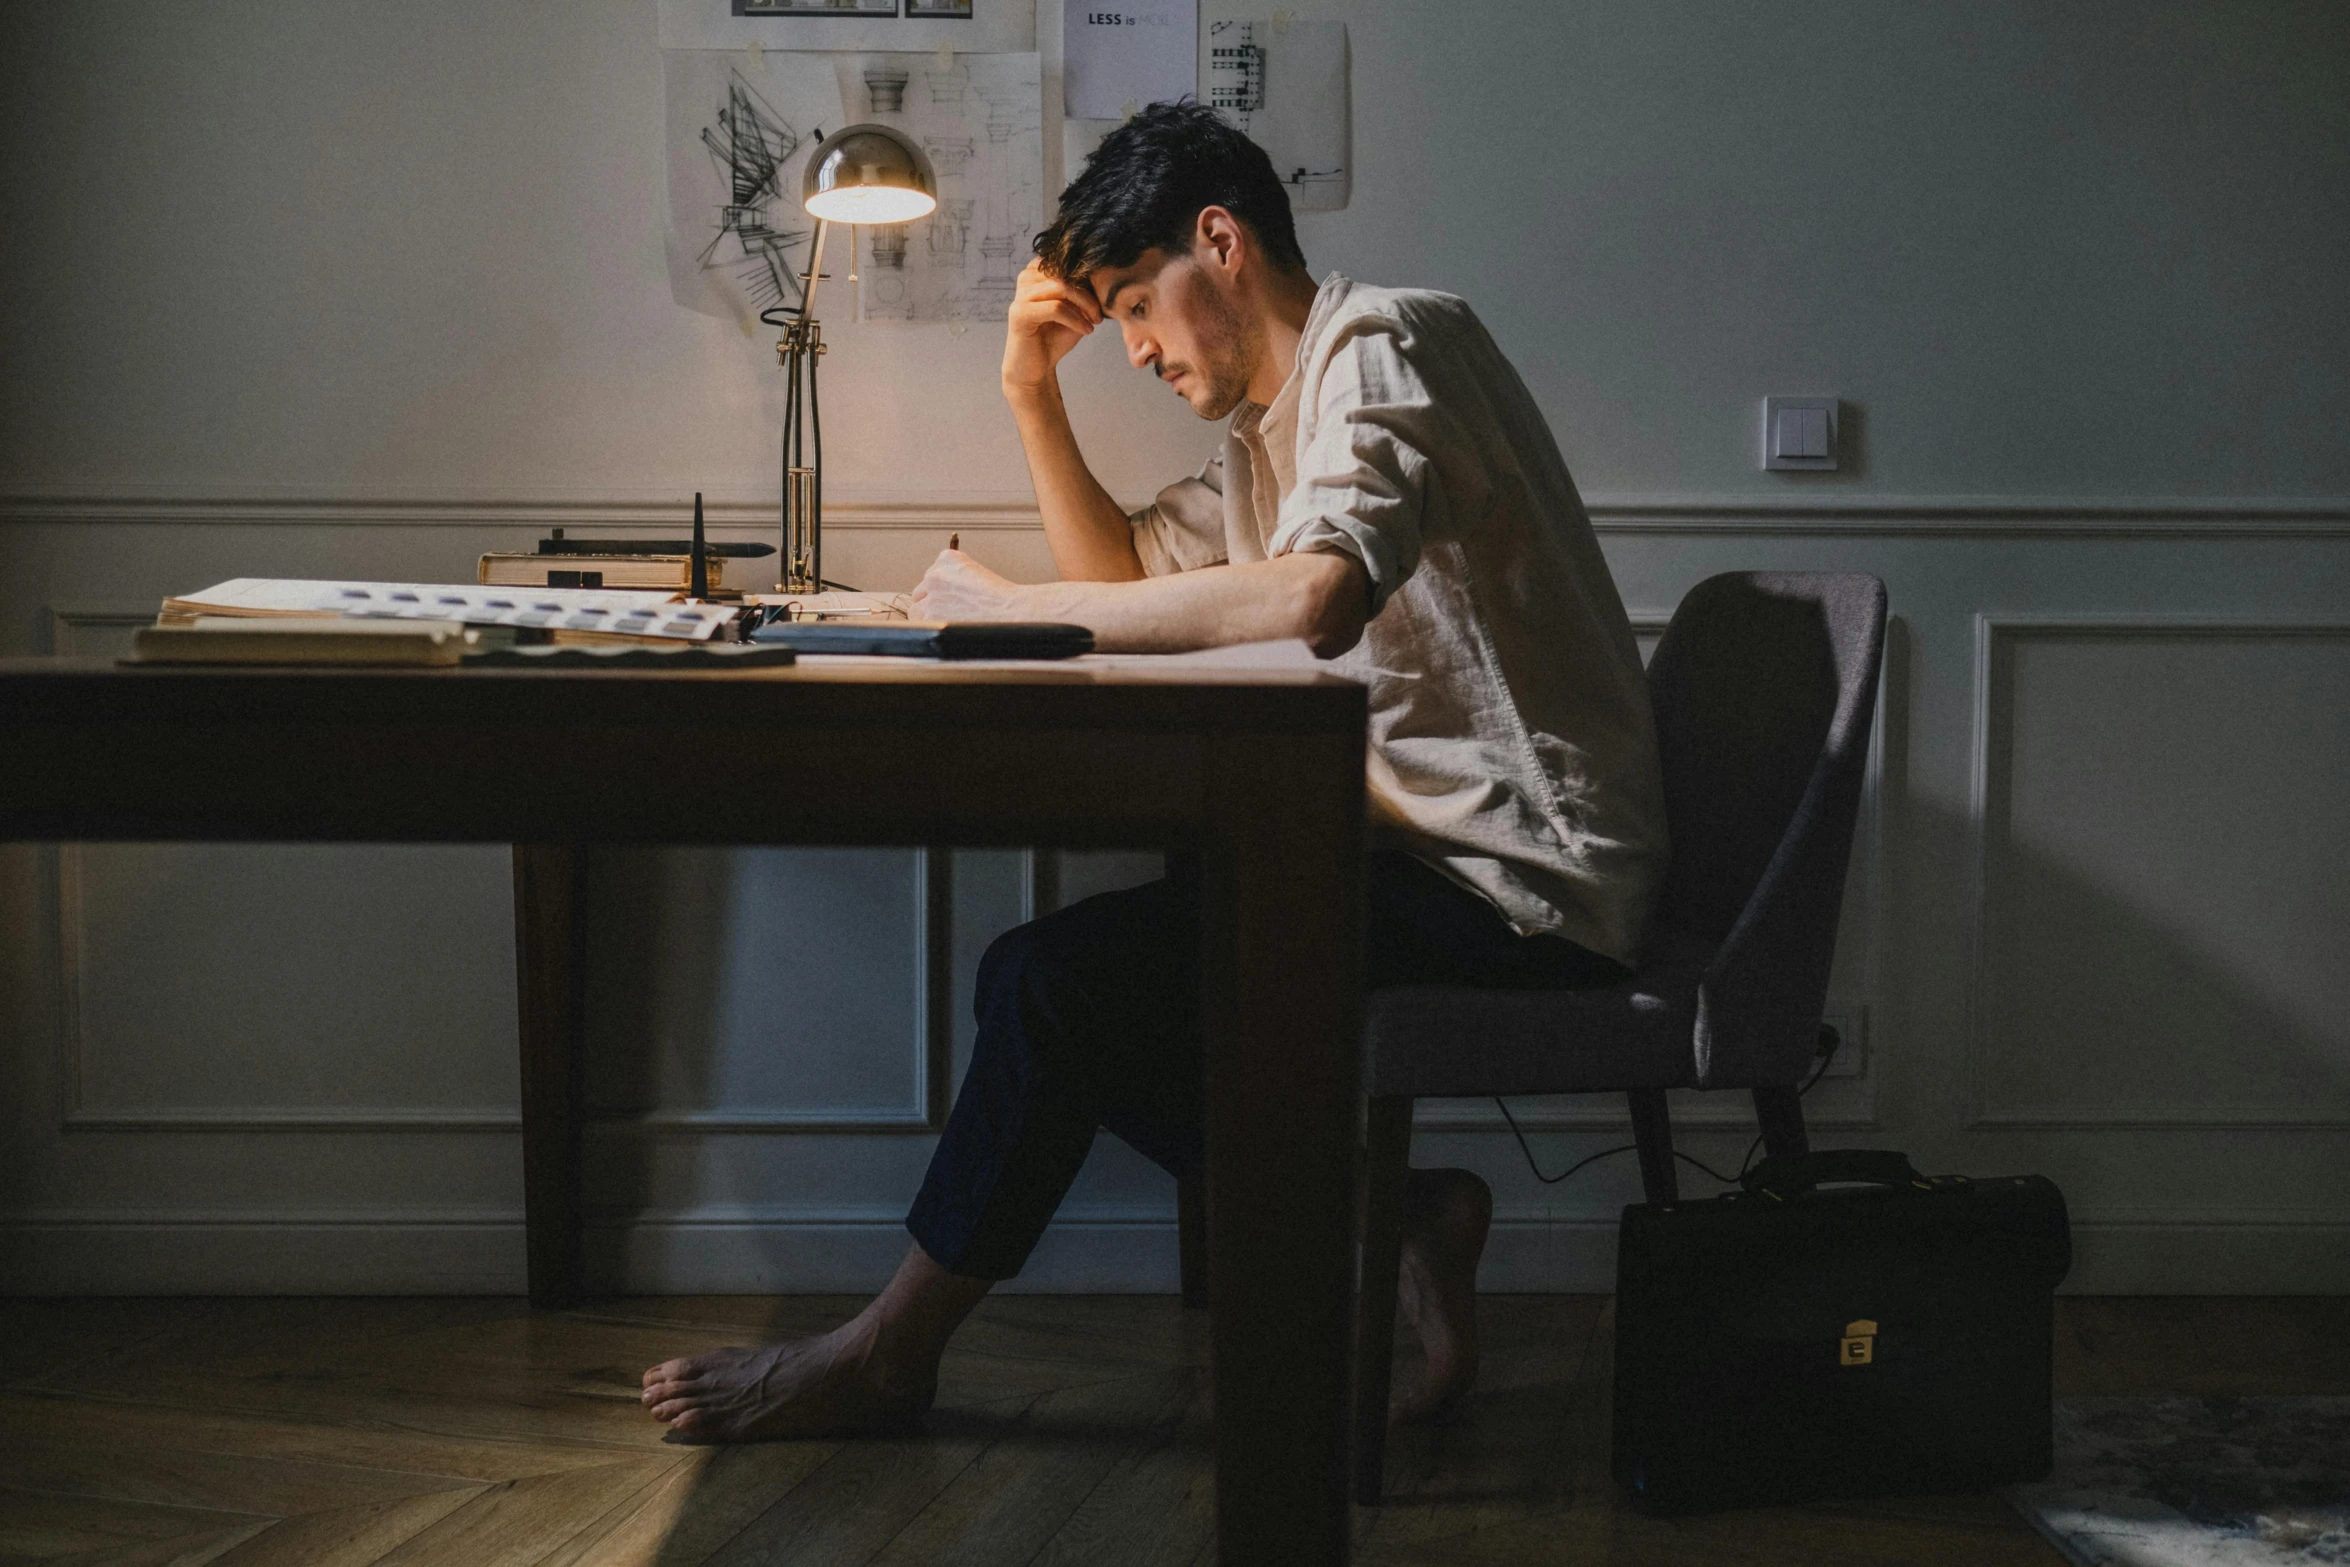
(1320, 597)
(1089, 535)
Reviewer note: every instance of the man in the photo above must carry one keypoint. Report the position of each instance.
(1388, 492)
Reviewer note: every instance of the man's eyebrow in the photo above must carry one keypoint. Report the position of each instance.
(1116, 289)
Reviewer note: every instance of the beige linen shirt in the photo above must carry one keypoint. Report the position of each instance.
(1511, 744)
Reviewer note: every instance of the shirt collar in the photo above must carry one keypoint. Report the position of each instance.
(1249, 417)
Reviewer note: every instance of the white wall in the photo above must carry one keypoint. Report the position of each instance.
(363, 290)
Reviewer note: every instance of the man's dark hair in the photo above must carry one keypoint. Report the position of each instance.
(1146, 183)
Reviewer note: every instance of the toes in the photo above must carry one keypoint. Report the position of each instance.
(663, 1392)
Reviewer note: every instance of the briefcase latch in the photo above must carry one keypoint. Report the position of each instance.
(1860, 1343)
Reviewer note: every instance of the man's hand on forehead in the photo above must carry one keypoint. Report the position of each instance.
(1048, 318)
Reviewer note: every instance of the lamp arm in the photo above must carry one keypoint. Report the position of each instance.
(815, 271)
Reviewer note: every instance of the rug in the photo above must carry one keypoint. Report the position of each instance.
(2197, 1482)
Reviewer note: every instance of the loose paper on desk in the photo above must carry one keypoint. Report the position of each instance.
(1123, 54)
(1283, 83)
(592, 612)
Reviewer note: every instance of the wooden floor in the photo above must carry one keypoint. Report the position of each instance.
(1070, 1430)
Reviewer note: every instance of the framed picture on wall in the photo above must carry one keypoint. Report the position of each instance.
(915, 10)
(815, 7)
(909, 26)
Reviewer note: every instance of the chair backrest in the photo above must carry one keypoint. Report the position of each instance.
(1764, 688)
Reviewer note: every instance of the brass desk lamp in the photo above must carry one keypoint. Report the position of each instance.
(863, 174)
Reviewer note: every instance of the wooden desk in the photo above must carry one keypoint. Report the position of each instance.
(1260, 774)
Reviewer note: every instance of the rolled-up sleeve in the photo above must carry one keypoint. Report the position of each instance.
(1364, 472)
(1183, 529)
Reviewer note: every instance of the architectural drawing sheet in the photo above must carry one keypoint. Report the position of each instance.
(741, 124)
(1284, 84)
(979, 118)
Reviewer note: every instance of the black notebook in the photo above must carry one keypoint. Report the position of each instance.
(930, 638)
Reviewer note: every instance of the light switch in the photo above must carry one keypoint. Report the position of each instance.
(1803, 432)
(1799, 433)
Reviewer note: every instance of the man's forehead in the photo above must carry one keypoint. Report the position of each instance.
(1106, 282)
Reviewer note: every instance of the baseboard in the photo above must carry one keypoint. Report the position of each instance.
(211, 1257)
(441, 1256)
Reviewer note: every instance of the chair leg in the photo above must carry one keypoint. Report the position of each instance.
(1191, 1238)
(1652, 1136)
(1780, 1112)
(1387, 1165)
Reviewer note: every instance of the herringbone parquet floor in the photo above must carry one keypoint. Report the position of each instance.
(1070, 1430)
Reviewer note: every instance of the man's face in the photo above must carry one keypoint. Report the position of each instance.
(1179, 325)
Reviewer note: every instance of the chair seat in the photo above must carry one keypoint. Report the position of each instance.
(1459, 1041)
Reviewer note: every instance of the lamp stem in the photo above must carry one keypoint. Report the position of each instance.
(802, 548)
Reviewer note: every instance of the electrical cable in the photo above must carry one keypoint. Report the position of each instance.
(1817, 1072)
(1826, 1056)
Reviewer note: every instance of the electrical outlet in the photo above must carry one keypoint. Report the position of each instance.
(1850, 1020)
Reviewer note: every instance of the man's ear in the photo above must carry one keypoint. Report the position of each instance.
(1220, 239)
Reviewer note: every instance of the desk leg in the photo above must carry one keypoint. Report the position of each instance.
(549, 971)
(1282, 994)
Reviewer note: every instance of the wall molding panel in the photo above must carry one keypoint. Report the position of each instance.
(931, 1055)
(1997, 637)
(1758, 515)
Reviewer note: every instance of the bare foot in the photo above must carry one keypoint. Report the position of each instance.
(831, 1385)
(1446, 1216)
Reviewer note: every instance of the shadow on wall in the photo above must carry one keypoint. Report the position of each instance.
(732, 994)
(656, 952)
(2118, 969)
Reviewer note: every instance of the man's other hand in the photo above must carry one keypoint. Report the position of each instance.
(956, 587)
(1049, 316)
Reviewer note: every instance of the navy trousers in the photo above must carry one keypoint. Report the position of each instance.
(1089, 1018)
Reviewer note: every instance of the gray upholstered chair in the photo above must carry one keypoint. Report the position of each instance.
(1763, 687)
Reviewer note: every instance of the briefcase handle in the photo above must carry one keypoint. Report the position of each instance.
(1875, 1166)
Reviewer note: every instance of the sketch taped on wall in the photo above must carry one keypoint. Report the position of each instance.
(740, 128)
(1283, 83)
(979, 120)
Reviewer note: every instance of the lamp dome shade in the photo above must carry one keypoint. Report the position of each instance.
(868, 174)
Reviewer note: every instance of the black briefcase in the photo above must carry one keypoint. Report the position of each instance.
(1798, 1339)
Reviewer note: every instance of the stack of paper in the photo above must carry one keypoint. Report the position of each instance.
(216, 639)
